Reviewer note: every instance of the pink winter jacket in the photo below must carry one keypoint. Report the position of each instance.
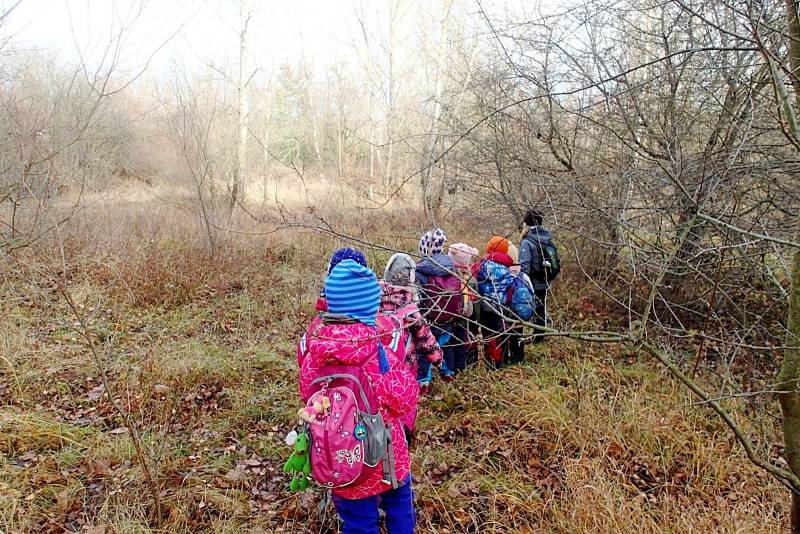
(396, 390)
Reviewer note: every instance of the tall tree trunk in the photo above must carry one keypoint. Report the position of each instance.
(789, 377)
(314, 125)
(371, 138)
(267, 172)
(431, 203)
(243, 108)
(393, 8)
(789, 380)
(340, 141)
(265, 139)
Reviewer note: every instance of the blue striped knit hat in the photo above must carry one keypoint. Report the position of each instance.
(352, 290)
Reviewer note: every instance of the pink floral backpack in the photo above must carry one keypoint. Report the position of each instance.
(348, 433)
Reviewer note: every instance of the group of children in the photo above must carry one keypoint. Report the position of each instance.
(368, 356)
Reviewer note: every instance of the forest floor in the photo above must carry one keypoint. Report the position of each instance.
(199, 350)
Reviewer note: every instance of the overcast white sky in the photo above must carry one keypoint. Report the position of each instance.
(200, 32)
(280, 30)
(319, 30)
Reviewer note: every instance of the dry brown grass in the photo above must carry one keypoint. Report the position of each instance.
(580, 439)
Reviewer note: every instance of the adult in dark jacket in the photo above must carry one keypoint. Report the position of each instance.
(535, 238)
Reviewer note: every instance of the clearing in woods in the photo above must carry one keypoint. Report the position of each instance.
(199, 350)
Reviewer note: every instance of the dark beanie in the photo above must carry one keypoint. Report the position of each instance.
(533, 218)
(346, 253)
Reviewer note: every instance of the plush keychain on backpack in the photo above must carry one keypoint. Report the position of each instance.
(299, 463)
(309, 413)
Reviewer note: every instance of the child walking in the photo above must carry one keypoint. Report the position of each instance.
(464, 349)
(440, 300)
(347, 338)
(494, 279)
(399, 299)
(515, 352)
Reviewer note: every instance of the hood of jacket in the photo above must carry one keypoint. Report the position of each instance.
(539, 233)
(501, 258)
(436, 265)
(332, 341)
(400, 270)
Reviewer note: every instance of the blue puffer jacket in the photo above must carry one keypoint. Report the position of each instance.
(494, 279)
(436, 265)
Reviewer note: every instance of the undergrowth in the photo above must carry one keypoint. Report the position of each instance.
(580, 438)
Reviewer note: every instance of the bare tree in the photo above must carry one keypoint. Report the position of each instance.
(659, 140)
(430, 199)
(789, 378)
(243, 109)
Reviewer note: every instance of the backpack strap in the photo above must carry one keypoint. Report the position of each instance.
(383, 361)
(389, 470)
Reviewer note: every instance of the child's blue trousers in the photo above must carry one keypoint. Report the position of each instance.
(459, 342)
(443, 334)
(360, 516)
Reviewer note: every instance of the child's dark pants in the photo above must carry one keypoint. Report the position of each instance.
(516, 345)
(460, 342)
(540, 313)
(360, 516)
(444, 335)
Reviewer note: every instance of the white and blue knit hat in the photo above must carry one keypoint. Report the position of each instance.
(352, 290)
(432, 242)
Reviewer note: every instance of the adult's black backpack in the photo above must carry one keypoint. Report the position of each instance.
(551, 264)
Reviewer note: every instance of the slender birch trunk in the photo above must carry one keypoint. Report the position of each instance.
(243, 108)
(789, 377)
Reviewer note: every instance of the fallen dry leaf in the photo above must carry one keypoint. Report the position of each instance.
(614, 450)
(235, 474)
(97, 392)
(67, 501)
(30, 456)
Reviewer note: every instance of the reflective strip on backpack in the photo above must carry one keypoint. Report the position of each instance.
(396, 335)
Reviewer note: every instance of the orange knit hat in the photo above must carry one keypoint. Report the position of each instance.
(497, 244)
